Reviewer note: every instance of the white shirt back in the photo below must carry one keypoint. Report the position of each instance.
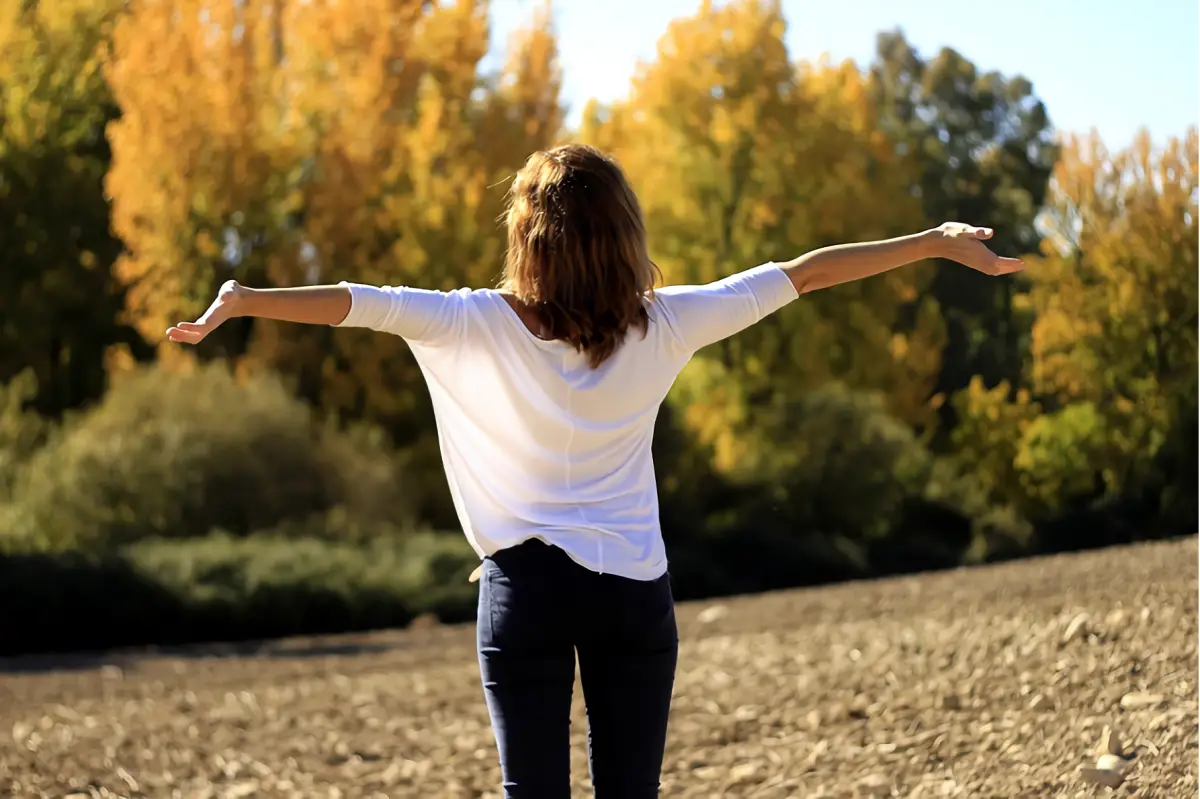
(536, 443)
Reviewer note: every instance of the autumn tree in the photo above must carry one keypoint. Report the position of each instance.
(981, 149)
(285, 143)
(206, 176)
(58, 299)
(1115, 294)
(1114, 352)
(741, 156)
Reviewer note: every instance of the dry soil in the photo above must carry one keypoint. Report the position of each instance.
(988, 682)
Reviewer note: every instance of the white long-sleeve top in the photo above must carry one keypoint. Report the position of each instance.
(536, 443)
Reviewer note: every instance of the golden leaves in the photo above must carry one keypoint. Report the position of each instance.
(1114, 295)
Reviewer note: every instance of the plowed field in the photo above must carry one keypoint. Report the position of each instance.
(990, 682)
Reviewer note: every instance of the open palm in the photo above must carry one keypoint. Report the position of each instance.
(222, 308)
(965, 244)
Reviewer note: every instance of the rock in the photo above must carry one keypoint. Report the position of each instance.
(1137, 700)
(875, 786)
(1099, 776)
(1041, 702)
(712, 613)
(21, 731)
(743, 772)
(1077, 628)
(1115, 618)
(1108, 762)
(1110, 742)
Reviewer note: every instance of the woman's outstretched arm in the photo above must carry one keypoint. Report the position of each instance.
(843, 263)
(313, 305)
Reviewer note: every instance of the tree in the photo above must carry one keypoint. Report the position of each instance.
(981, 146)
(1114, 347)
(740, 157)
(1115, 294)
(58, 299)
(206, 169)
(320, 142)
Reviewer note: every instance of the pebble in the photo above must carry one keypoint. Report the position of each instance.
(712, 613)
(743, 772)
(875, 786)
(1041, 702)
(1076, 628)
(1110, 742)
(1140, 699)
(1099, 776)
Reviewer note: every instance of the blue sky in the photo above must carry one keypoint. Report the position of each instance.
(1116, 70)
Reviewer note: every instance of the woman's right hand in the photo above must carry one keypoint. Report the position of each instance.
(225, 306)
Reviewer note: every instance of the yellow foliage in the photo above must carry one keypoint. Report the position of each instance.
(50, 50)
(1115, 291)
(991, 426)
(302, 141)
(741, 156)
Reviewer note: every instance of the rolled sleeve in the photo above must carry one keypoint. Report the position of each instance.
(418, 315)
(704, 314)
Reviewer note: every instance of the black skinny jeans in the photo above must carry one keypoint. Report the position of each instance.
(537, 609)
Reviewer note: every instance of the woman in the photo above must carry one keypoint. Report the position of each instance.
(545, 394)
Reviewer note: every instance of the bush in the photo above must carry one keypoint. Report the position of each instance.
(832, 460)
(71, 602)
(1002, 533)
(174, 454)
(22, 431)
(222, 588)
(800, 490)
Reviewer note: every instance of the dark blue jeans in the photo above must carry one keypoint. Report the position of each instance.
(537, 610)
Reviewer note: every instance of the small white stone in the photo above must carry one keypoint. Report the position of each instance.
(1076, 628)
(712, 613)
(1110, 742)
(1099, 776)
(1041, 702)
(1140, 699)
(1111, 763)
(875, 786)
(743, 772)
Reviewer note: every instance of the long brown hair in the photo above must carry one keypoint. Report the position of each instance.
(577, 256)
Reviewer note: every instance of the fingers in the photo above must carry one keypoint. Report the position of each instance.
(189, 332)
(995, 266)
(180, 335)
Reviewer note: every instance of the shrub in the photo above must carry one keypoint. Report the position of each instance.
(800, 489)
(223, 588)
(1002, 533)
(22, 431)
(173, 454)
(832, 460)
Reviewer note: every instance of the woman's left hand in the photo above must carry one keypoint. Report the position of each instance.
(222, 308)
(964, 244)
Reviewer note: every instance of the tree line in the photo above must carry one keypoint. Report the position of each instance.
(152, 149)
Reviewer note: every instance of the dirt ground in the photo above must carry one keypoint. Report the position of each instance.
(993, 682)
